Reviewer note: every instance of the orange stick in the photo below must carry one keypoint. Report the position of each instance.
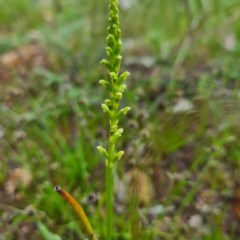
(86, 226)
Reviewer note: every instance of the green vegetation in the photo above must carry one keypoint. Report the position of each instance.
(179, 176)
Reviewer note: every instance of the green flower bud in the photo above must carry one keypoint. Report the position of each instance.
(118, 133)
(113, 76)
(118, 95)
(109, 51)
(105, 62)
(123, 77)
(118, 57)
(111, 40)
(123, 111)
(104, 83)
(118, 156)
(114, 128)
(119, 46)
(103, 151)
(108, 102)
(114, 27)
(122, 87)
(105, 108)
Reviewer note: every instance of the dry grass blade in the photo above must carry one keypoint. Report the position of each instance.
(85, 226)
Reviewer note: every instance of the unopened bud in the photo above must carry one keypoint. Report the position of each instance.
(113, 76)
(123, 76)
(118, 155)
(122, 87)
(103, 151)
(119, 95)
(105, 108)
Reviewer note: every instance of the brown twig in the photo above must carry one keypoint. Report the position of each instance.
(85, 224)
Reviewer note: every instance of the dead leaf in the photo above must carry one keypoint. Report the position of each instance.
(25, 54)
(139, 186)
(21, 60)
(183, 105)
(17, 177)
(195, 221)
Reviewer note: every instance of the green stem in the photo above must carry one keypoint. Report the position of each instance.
(115, 85)
(109, 190)
(109, 181)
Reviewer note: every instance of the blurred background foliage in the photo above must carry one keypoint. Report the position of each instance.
(182, 159)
